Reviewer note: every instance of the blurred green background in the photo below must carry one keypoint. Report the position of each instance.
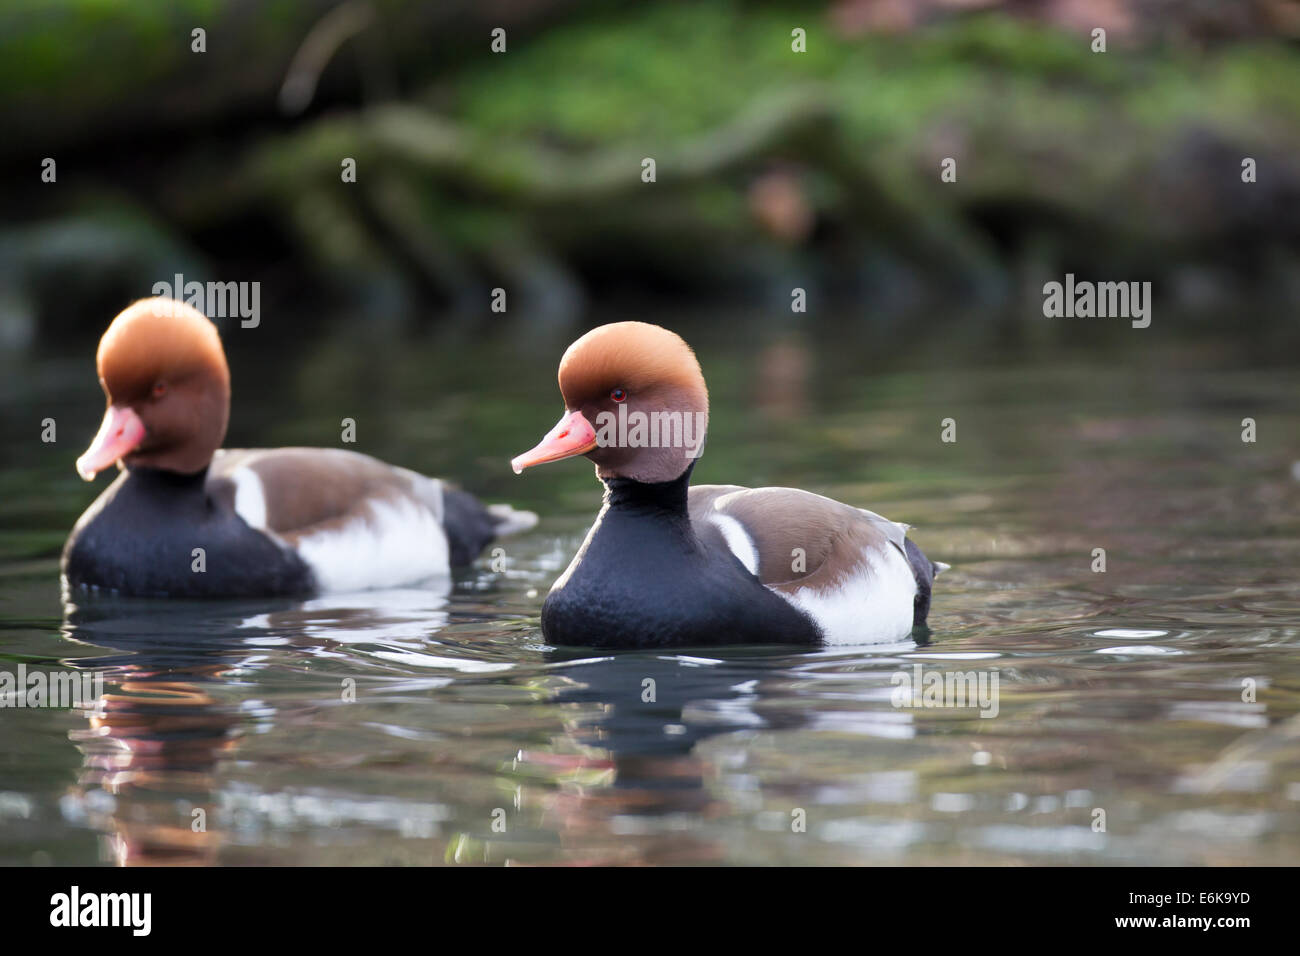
(522, 169)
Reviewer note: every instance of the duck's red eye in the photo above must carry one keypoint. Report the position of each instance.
(159, 389)
(618, 395)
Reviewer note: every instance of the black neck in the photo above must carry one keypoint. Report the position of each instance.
(669, 496)
(168, 480)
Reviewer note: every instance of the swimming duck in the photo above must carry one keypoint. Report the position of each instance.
(670, 565)
(185, 519)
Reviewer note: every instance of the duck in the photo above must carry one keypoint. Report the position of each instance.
(187, 519)
(669, 564)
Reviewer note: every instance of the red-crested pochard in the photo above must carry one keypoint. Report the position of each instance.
(668, 565)
(186, 519)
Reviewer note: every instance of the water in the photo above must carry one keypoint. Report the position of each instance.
(1125, 732)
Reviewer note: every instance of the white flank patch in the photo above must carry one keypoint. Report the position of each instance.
(393, 543)
(738, 540)
(250, 500)
(873, 606)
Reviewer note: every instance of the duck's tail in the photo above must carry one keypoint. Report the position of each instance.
(924, 570)
(507, 520)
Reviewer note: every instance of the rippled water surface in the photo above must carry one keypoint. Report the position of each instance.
(1145, 715)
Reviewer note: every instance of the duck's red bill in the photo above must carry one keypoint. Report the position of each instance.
(572, 435)
(118, 436)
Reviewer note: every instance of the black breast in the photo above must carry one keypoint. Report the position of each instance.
(160, 534)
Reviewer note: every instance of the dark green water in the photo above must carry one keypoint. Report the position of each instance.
(471, 741)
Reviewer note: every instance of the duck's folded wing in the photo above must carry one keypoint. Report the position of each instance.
(300, 491)
(358, 522)
(847, 567)
(789, 537)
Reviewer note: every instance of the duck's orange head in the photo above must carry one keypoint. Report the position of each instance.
(635, 403)
(164, 373)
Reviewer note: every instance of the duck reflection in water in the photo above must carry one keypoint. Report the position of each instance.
(154, 742)
(643, 719)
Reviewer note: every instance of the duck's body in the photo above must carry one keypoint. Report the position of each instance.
(652, 574)
(186, 520)
(676, 566)
(275, 522)
(670, 565)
